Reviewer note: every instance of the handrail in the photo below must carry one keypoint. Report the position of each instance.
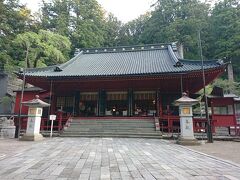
(67, 124)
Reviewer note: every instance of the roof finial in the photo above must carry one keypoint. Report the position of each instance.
(174, 46)
(37, 96)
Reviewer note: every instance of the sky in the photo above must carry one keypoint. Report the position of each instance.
(124, 10)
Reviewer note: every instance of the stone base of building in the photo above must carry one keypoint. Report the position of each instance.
(35, 137)
(188, 142)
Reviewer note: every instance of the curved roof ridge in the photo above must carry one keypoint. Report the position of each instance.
(64, 65)
(117, 49)
(129, 46)
(172, 54)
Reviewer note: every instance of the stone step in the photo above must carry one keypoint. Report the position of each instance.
(111, 122)
(119, 119)
(113, 125)
(113, 136)
(222, 131)
(113, 131)
(111, 128)
(121, 122)
(119, 132)
(108, 127)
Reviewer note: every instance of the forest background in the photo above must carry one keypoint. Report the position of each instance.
(52, 35)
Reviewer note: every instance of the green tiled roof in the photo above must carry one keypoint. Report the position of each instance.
(122, 61)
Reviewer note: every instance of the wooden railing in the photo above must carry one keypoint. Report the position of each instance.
(171, 124)
(200, 125)
(58, 124)
(167, 123)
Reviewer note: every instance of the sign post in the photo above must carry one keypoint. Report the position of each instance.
(52, 118)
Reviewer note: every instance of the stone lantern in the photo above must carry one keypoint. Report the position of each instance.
(186, 121)
(34, 119)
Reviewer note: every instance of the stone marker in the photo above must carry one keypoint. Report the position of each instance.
(186, 121)
(34, 119)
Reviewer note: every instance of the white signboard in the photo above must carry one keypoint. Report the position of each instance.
(52, 117)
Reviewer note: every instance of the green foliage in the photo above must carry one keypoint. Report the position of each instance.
(5, 101)
(228, 86)
(55, 16)
(44, 41)
(225, 33)
(14, 19)
(130, 33)
(112, 31)
(80, 20)
(179, 21)
(42, 49)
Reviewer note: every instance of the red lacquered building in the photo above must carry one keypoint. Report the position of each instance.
(127, 82)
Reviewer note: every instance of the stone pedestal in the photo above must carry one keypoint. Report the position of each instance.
(8, 128)
(186, 121)
(33, 125)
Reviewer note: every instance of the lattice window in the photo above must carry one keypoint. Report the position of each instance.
(144, 95)
(69, 101)
(237, 108)
(92, 96)
(116, 96)
(60, 101)
(65, 101)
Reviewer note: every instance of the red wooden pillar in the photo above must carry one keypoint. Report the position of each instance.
(160, 106)
(53, 104)
(212, 109)
(157, 104)
(60, 116)
(234, 116)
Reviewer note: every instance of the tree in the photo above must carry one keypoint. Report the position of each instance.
(43, 48)
(80, 20)
(6, 103)
(14, 19)
(131, 32)
(56, 16)
(228, 86)
(177, 20)
(111, 31)
(225, 33)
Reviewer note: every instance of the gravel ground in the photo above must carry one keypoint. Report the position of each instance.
(227, 150)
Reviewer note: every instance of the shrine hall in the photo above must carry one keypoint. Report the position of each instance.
(123, 81)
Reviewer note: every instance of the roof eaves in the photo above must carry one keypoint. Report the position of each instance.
(118, 76)
(214, 61)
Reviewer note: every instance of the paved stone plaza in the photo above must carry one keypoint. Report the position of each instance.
(112, 158)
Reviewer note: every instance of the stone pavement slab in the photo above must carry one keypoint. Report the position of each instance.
(112, 158)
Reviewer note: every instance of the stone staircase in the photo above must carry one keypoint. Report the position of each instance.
(100, 127)
(222, 131)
